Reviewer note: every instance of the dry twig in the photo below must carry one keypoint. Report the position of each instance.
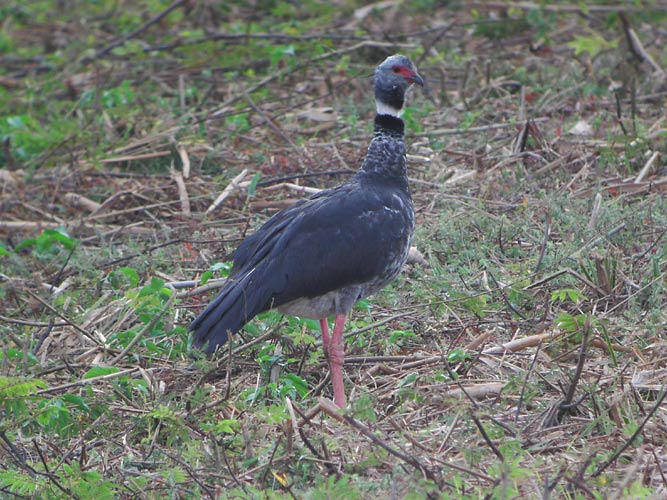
(227, 191)
(329, 408)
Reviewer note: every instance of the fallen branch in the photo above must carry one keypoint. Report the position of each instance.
(120, 41)
(553, 7)
(25, 225)
(473, 130)
(55, 311)
(637, 47)
(329, 408)
(365, 360)
(647, 167)
(477, 391)
(185, 160)
(89, 381)
(572, 272)
(632, 187)
(142, 156)
(76, 200)
(294, 187)
(627, 444)
(478, 341)
(212, 284)
(522, 343)
(182, 192)
(227, 191)
(566, 405)
(142, 208)
(273, 126)
(149, 326)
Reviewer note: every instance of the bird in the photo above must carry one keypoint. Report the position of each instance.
(323, 254)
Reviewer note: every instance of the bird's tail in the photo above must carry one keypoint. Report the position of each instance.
(236, 304)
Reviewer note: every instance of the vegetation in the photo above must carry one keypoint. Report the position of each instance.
(523, 358)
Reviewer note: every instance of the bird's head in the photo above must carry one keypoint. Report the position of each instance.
(392, 80)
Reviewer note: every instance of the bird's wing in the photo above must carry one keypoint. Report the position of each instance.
(251, 284)
(254, 247)
(347, 236)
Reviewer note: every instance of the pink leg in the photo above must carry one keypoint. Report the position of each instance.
(336, 360)
(324, 325)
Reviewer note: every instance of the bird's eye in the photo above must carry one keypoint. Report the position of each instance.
(396, 69)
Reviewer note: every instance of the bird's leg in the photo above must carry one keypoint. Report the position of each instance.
(336, 359)
(324, 325)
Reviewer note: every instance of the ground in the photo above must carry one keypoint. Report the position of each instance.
(521, 353)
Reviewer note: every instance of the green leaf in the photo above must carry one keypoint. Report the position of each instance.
(457, 356)
(26, 243)
(59, 235)
(119, 276)
(132, 274)
(47, 239)
(299, 384)
(409, 380)
(19, 387)
(76, 400)
(476, 304)
(227, 426)
(398, 336)
(571, 294)
(16, 122)
(13, 481)
(253, 184)
(238, 123)
(593, 44)
(156, 283)
(206, 275)
(98, 371)
(155, 286)
(571, 323)
(223, 267)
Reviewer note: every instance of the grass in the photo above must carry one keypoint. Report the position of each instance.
(525, 360)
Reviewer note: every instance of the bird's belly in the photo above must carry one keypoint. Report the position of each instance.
(334, 302)
(337, 301)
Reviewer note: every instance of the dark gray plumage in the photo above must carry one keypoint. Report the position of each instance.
(323, 254)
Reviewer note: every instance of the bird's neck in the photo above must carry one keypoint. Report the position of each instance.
(387, 109)
(390, 100)
(389, 125)
(386, 153)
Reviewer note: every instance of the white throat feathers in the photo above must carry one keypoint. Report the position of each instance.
(385, 109)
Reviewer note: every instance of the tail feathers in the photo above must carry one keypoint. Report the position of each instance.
(236, 304)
